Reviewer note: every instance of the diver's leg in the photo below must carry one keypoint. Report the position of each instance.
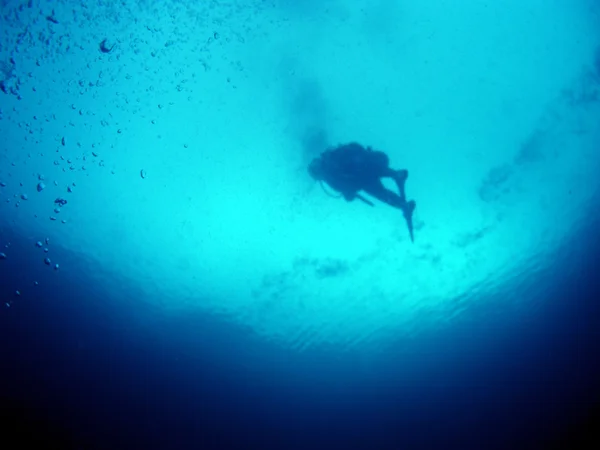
(400, 177)
(380, 192)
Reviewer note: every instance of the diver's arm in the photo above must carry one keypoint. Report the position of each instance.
(349, 196)
(361, 198)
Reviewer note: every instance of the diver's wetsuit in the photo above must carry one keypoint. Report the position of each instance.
(351, 168)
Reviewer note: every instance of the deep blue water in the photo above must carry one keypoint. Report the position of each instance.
(78, 372)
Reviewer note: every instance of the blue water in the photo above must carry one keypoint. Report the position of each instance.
(172, 278)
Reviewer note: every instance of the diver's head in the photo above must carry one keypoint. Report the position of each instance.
(315, 169)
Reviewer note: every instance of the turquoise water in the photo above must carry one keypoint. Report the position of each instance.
(179, 135)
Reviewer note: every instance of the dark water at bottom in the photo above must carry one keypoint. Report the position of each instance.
(80, 371)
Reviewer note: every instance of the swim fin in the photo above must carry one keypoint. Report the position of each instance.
(408, 213)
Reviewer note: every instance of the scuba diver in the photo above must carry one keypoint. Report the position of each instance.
(351, 168)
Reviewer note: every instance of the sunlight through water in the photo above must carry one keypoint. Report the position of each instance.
(179, 134)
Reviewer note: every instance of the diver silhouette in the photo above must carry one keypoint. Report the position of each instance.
(350, 168)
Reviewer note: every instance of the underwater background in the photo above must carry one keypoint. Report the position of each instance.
(172, 278)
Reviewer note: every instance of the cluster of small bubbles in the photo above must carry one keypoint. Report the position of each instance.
(47, 260)
(58, 154)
